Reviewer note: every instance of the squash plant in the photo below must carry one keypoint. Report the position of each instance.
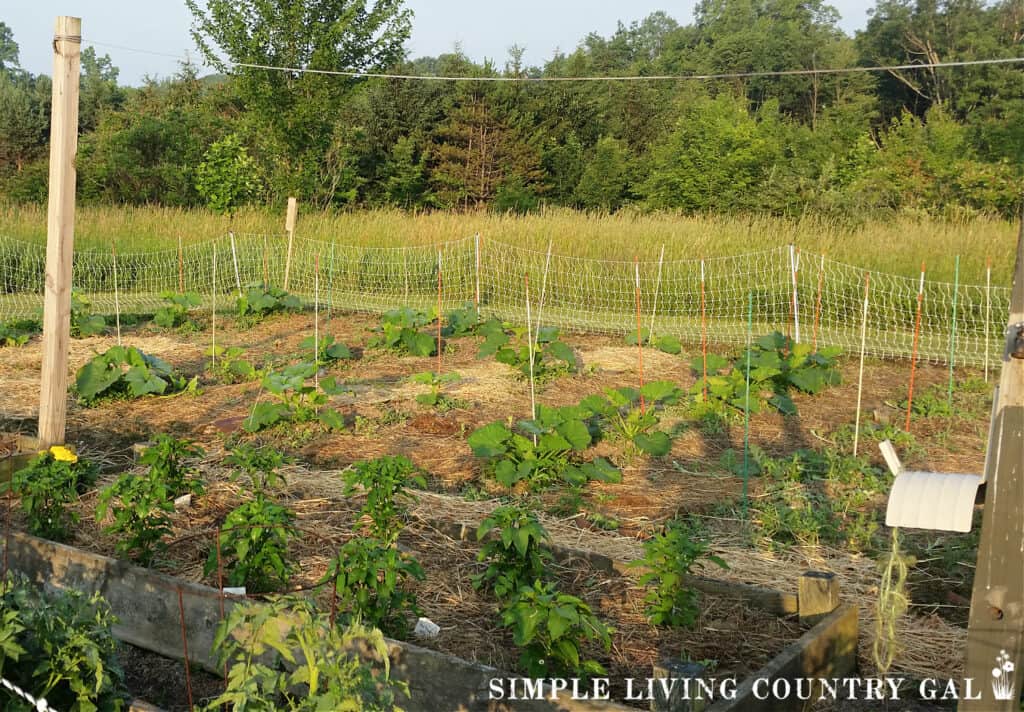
(515, 554)
(510, 345)
(551, 627)
(666, 342)
(778, 366)
(295, 400)
(83, 321)
(619, 412)
(16, 332)
(329, 349)
(127, 372)
(399, 331)
(434, 397)
(261, 299)
(176, 313)
(229, 366)
(461, 322)
(544, 451)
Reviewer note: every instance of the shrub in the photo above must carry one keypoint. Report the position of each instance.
(669, 556)
(49, 482)
(58, 646)
(126, 372)
(286, 655)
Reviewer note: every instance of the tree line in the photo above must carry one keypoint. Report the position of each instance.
(934, 140)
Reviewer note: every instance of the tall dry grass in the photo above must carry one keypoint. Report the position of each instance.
(898, 245)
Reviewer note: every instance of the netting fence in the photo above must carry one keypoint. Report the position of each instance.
(808, 296)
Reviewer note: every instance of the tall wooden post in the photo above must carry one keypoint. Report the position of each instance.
(60, 230)
(289, 227)
(995, 635)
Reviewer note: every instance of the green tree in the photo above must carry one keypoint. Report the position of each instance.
(605, 180)
(298, 108)
(23, 124)
(226, 177)
(8, 49)
(98, 89)
(406, 183)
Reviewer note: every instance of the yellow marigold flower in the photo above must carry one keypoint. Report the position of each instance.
(62, 454)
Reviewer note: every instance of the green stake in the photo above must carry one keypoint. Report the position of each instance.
(746, 401)
(952, 332)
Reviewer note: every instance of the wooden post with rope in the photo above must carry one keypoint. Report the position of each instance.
(60, 231)
(995, 633)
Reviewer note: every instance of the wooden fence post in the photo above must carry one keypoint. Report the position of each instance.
(60, 230)
(289, 227)
(995, 631)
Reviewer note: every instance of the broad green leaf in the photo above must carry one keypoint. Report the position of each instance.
(489, 440)
(657, 443)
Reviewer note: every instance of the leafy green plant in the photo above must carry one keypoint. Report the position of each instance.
(516, 555)
(508, 345)
(399, 331)
(778, 366)
(167, 458)
(83, 321)
(255, 534)
(295, 400)
(667, 343)
(141, 507)
(176, 313)
(434, 397)
(17, 332)
(551, 627)
(230, 367)
(669, 557)
(226, 177)
(461, 322)
(371, 580)
(932, 402)
(261, 300)
(562, 434)
(126, 372)
(286, 655)
(327, 350)
(384, 480)
(58, 646)
(619, 412)
(46, 485)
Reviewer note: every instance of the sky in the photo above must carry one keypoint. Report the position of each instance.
(483, 29)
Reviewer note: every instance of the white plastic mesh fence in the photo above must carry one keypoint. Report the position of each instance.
(579, 294)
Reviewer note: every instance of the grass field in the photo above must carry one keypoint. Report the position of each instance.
(897, 246)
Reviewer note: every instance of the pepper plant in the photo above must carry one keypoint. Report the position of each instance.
(551, 627)
(50, 482)
(384, 480)
(669, 557)
(514, 550)
(141, 508)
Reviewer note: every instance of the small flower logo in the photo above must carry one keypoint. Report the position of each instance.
(62, 454)
(1002, 677)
